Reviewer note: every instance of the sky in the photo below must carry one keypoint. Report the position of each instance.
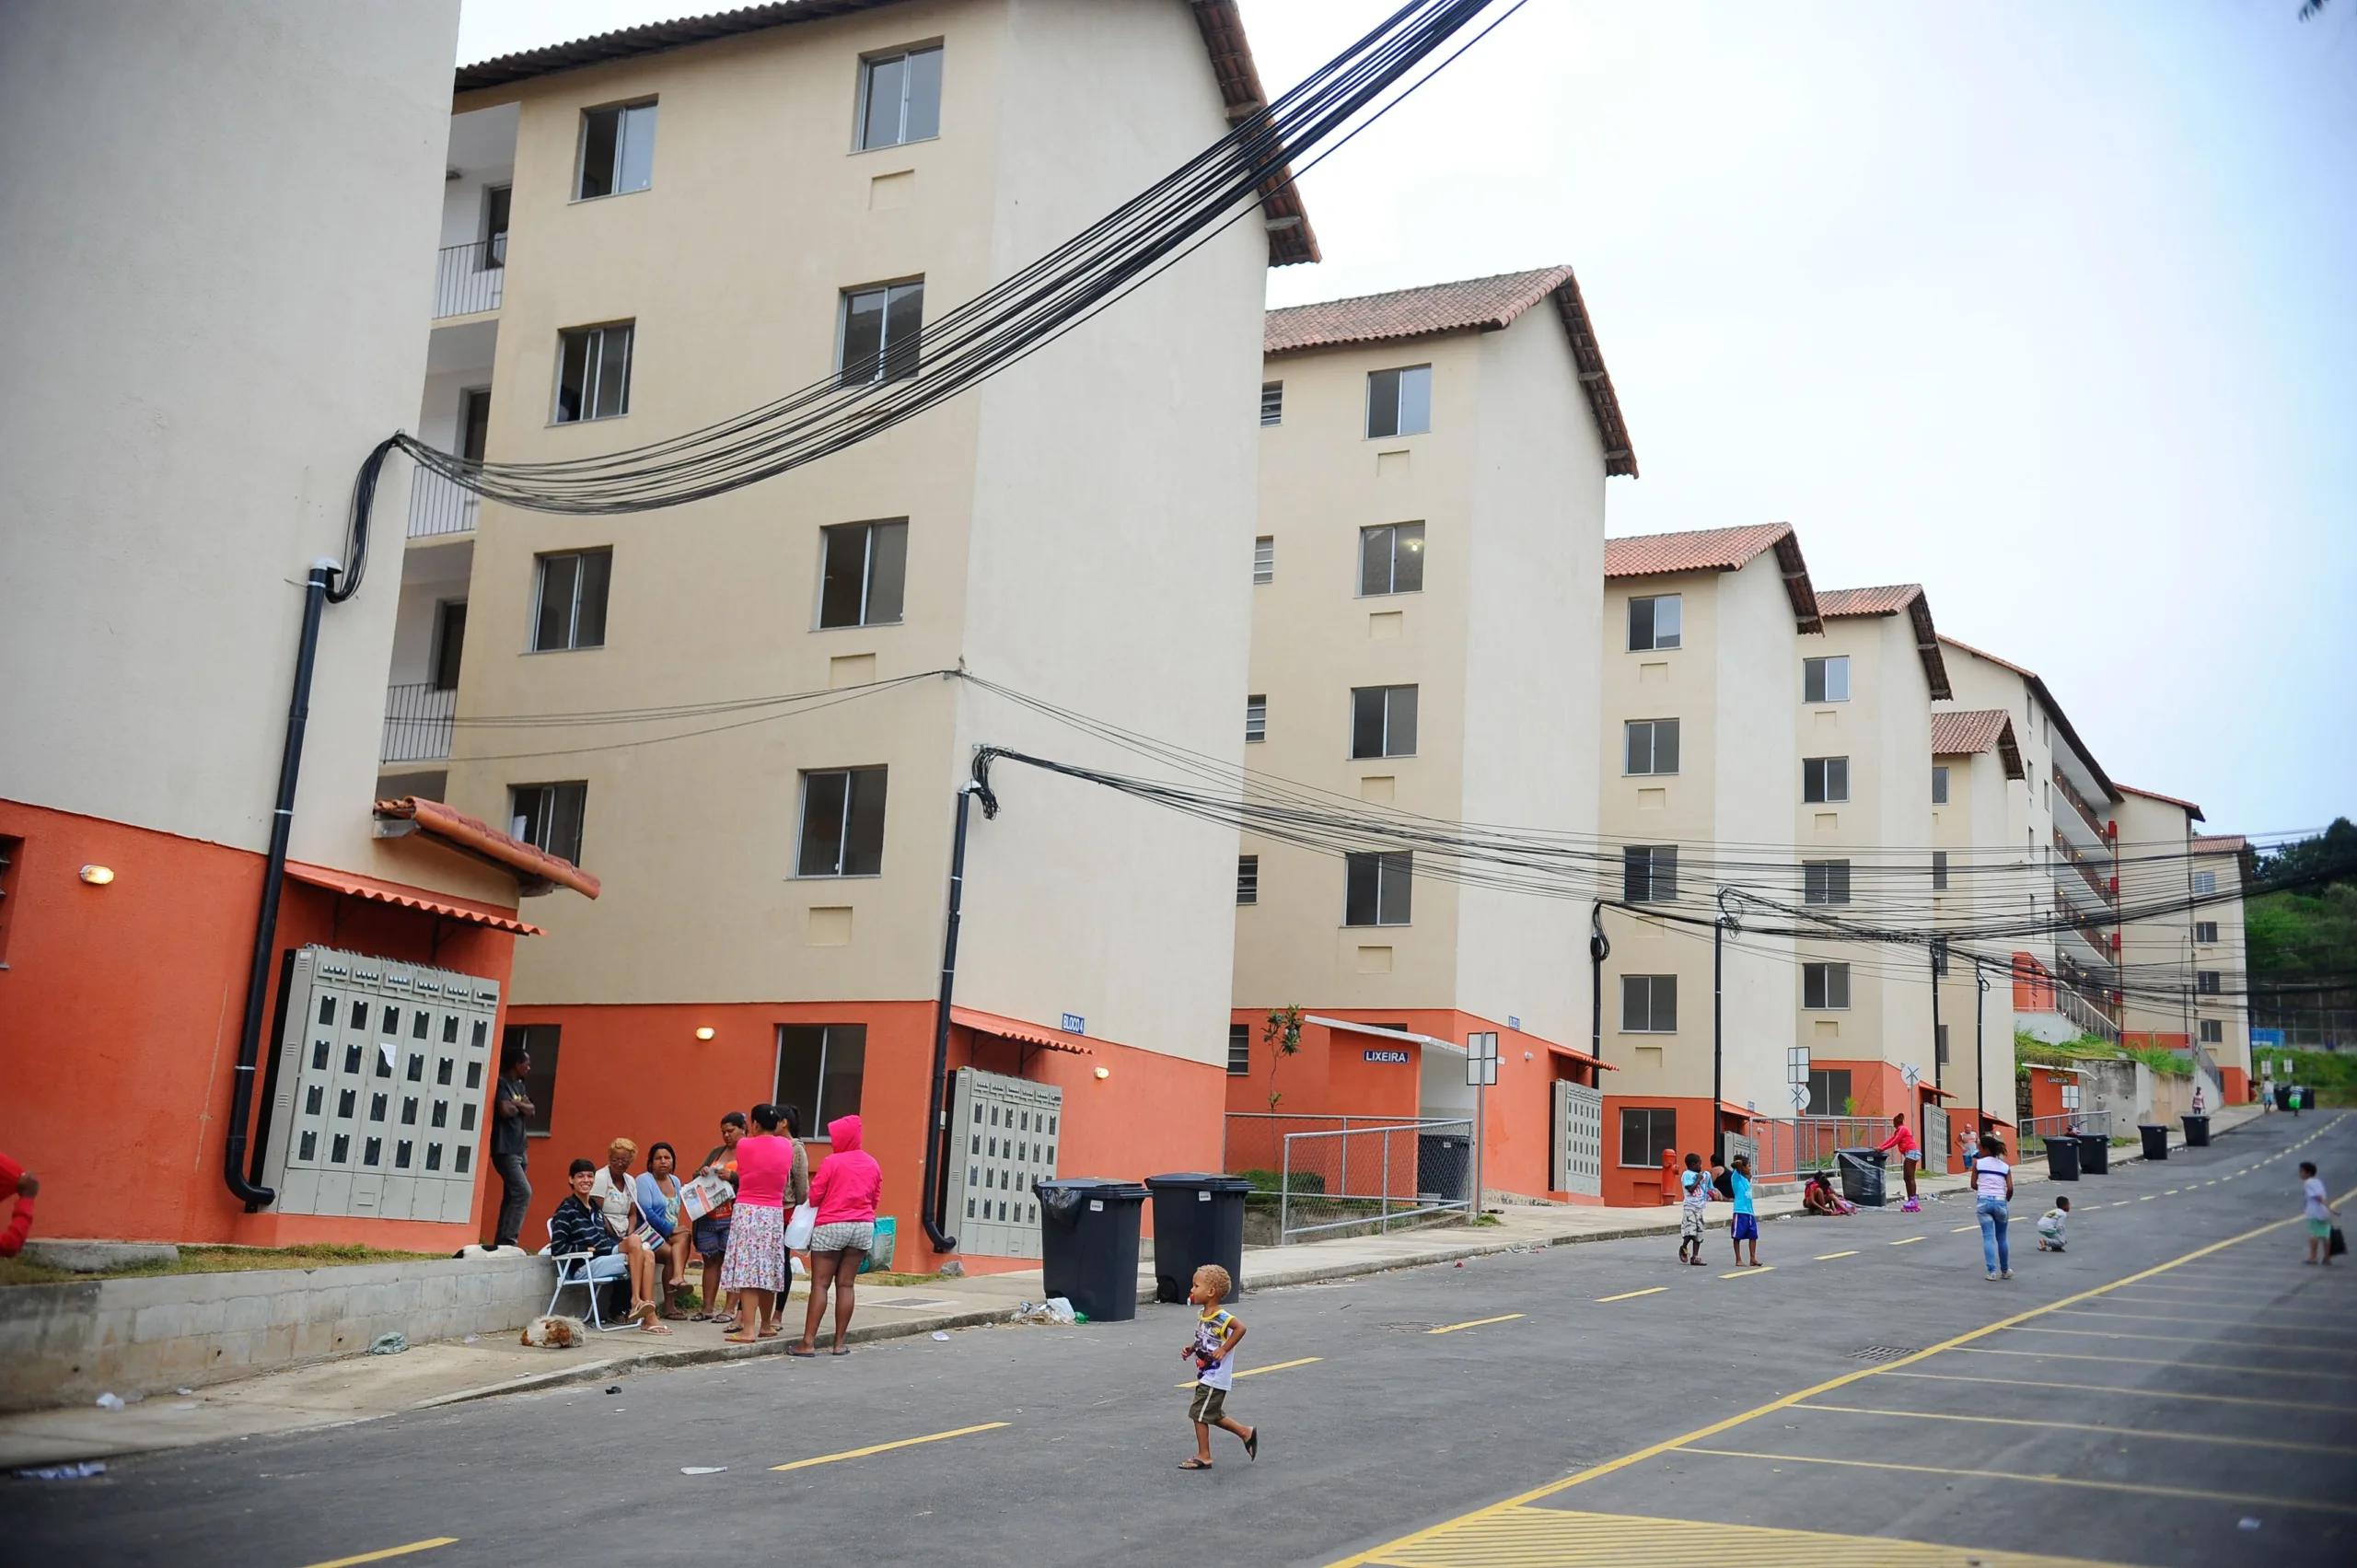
(2049, 308)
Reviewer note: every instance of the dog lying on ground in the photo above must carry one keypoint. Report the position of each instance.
(555, 1333)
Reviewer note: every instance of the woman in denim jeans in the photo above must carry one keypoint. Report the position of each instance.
(1992, 1188)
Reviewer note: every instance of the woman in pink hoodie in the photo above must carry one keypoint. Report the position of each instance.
(845, 1189)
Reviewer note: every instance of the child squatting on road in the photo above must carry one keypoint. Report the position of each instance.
(1213, 1349)
(2051, 1224)
(1691, 1212)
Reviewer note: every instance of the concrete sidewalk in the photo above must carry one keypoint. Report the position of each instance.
(366, 1387)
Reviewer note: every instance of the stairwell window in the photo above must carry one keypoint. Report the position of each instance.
(1940, 785)
(1656, 622)
(2213, 1031)
(1825, 987)
(1247, 878)
(1383, 721)
(1378, 889)
(569, 612)
(2206, 982)
(1400, 403)
(1649, 874)
(1240, 1050)
(862, 573)
(1825, 779)
(1264, 560)
(1939, 870)
(617, 150)
(882, 333)
(1825, 881)
(547, 817)
(900, 97)
(1273, 403)
(1940, 1044)
(2205, 931)
(1391, 559)
(1825, 679)
(2205, 883)
(593, 372)
(1256, 720)
(1652, 746)
(1649, 1003)
(843, 823)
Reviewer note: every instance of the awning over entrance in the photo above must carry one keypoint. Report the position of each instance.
(535, 870)
(1580, 1056)
(442, 904)
(1408, 1035)
(1016, 1030)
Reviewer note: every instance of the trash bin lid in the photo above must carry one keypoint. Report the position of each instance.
(1199, 1181)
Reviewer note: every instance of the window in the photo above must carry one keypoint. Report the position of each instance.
(1383, 721)
(883, 328)
(498, 200)
(593, 372)
(1649, 1003)
(547, 817)
(1649, 873)
(820, 1069)
(2205, 931)
(1647, 1133)
(1272, 403)
(1825, 680)
(900, 97)
(1825, 987)
(863, 570)
(1247, 878)
(1376, 889)
(1939, 960)
(1940, 1043)
(474, 423)
(571, 609)
(12, 851)
(1652, 745)
(1256, 720)
(2205, 983)
(1656, 622)
(1240, 1050)
(1391, 559)
(1825, 881)
(2205, 883)
(2213, 1031)
(1264, 558)
(1939, 870)
(617, 150)
(449, 643)
(1828, 1091)
(843, 823)
(1400, 403)
(1825, 779)
(1939, 786)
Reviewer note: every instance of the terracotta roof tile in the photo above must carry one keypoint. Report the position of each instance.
(1720, 550)
(469, 910)
(1971, 731)
(536, 870)
(2192, 810)
(2219, 844)
(2045, 696)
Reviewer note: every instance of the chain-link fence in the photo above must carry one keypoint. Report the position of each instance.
(1790, 1148)
(1332, 1174)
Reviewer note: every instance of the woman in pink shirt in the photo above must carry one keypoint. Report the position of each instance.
(844, 1190)
(1911, 1154)
(754, 1269)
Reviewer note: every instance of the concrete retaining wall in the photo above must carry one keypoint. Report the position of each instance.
(64, 1344)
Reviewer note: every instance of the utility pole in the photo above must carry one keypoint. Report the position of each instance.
(1939, 951)
(1719, 929)
(1980, 1061)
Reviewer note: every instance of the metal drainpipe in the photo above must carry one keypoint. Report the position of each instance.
(1980, 1058)
(1718, 970)
(282, 824)
(1599, 947)
(936, 1132)
(1936, 1083)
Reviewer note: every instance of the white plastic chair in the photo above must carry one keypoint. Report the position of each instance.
(572, 1271)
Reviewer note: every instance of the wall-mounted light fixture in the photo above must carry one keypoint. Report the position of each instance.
(1104, 1071)
(97, 876)
(704, 1033)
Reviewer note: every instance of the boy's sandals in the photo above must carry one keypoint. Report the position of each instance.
(1194, 1464)
(1252, 1444)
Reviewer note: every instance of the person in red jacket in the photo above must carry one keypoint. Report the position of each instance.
(1911, 1155)
(15, 1178)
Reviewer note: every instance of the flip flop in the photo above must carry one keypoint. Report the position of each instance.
(806, 1354)
(1252, 1444)
(1195, 1464)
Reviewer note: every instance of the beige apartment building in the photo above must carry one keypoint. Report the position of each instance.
(2221, 877)
(1979, 779)
(2183, 980)
(655, 229)
(1423, 636)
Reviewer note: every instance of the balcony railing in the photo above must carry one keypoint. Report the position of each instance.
(417, 723)
(2087, 813)
(2096, 884)
(2094, 1019)
(438, 507)
(468, 278)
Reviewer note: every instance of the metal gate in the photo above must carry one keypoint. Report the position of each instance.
(1936, 1140)
(1579, 1139)
(379, 1089)
(1004, 1137)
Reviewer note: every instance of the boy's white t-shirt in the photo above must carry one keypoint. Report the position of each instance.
(1211, 1328)
(2313, 1190)
(1988, 1177)
(1699, 1190)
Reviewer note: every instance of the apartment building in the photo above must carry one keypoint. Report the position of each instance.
(2065, 982)
(685, 221)
(2220, 866)
(1425, 607)
(1979, 780)
(2157, 965)
(191, 400)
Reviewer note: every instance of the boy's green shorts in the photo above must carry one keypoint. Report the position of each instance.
(2320, 1229)
(1210, 1404)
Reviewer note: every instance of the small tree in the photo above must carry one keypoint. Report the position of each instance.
(1282, 1032)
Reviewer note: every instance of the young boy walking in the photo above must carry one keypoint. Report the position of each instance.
(2050, 1225)
(1213, 1349)
(1691, 1210)
(1744, 1226)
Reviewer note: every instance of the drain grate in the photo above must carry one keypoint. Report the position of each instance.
(1880, 1353)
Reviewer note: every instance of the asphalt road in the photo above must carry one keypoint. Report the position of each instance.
(1591, 1404)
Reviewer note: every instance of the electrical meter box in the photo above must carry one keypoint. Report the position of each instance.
(379, 1088)
(1003, 1137)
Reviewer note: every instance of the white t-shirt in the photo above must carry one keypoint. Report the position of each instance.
(1988, 1177)
(613, 1199)
(2313, 1190)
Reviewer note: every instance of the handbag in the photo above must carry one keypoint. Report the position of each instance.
(799, 1228)
(2338, 1245)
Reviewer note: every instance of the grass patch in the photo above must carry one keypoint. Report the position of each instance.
(217, 1260)
(893, 1277)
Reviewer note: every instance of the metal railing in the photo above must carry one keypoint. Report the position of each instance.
(417, 723)
(1785, 1148)
(2086, 864)
(438, 507)
(469, 278)
(1363, 1178)
(2073, 1004)
(2070, 1124)
(2087, 813)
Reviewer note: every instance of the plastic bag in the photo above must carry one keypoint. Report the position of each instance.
(799, 1228)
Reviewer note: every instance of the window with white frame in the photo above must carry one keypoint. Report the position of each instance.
(2205, 883)
(2205, 931)
(2213, 1031)
(547, 817)
(1825, 987)
(1264, 560)
(1825, 779)
(1391, 559)
(1383, 721)
(1656, 622)
(1400, 403)
(1247, 878)
(862, 573)
(881, 334)
(569, 599)
(1825, 881)
(593, 372)
(1272, 403)
(617, 150)
(1649, 874)
(900, 97)
(1378, 889)
(1825, 679)
(1240, 1050)
(1940, 785)
(843, 823)
(1939, 870)
(1652, 746)
(1256, 719)
(2206, 982)
(1649, 1003)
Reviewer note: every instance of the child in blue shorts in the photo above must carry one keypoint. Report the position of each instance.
(1744, 1226)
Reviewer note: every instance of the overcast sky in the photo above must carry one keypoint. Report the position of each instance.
(2049, 308)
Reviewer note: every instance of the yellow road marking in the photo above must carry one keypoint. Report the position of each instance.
(2195, 1340)
(2133, 1393)
(1272, 1367)
(1632, 1294)
(2083, 1426)
(886, 1447)
(2159, 1361)
(1746, 1274)
(2122, 1205)
(388, 1551)
(1478, 1323)
(2145, 1199)
(1829, 1257)
(2170, 1193)
(2241, 1497)
(1957, 1231)
(1562, 1538)
(2218, 1322)
(1905, 1240)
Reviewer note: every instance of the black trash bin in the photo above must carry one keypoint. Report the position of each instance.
(2283, 1097)
(1861, 1175)
(2063, 1157)
(1444, 1165)
(2095, 1154)
(1198, 1219)
(2156, 1140)
(2197, 1132)
(1088, 1251)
